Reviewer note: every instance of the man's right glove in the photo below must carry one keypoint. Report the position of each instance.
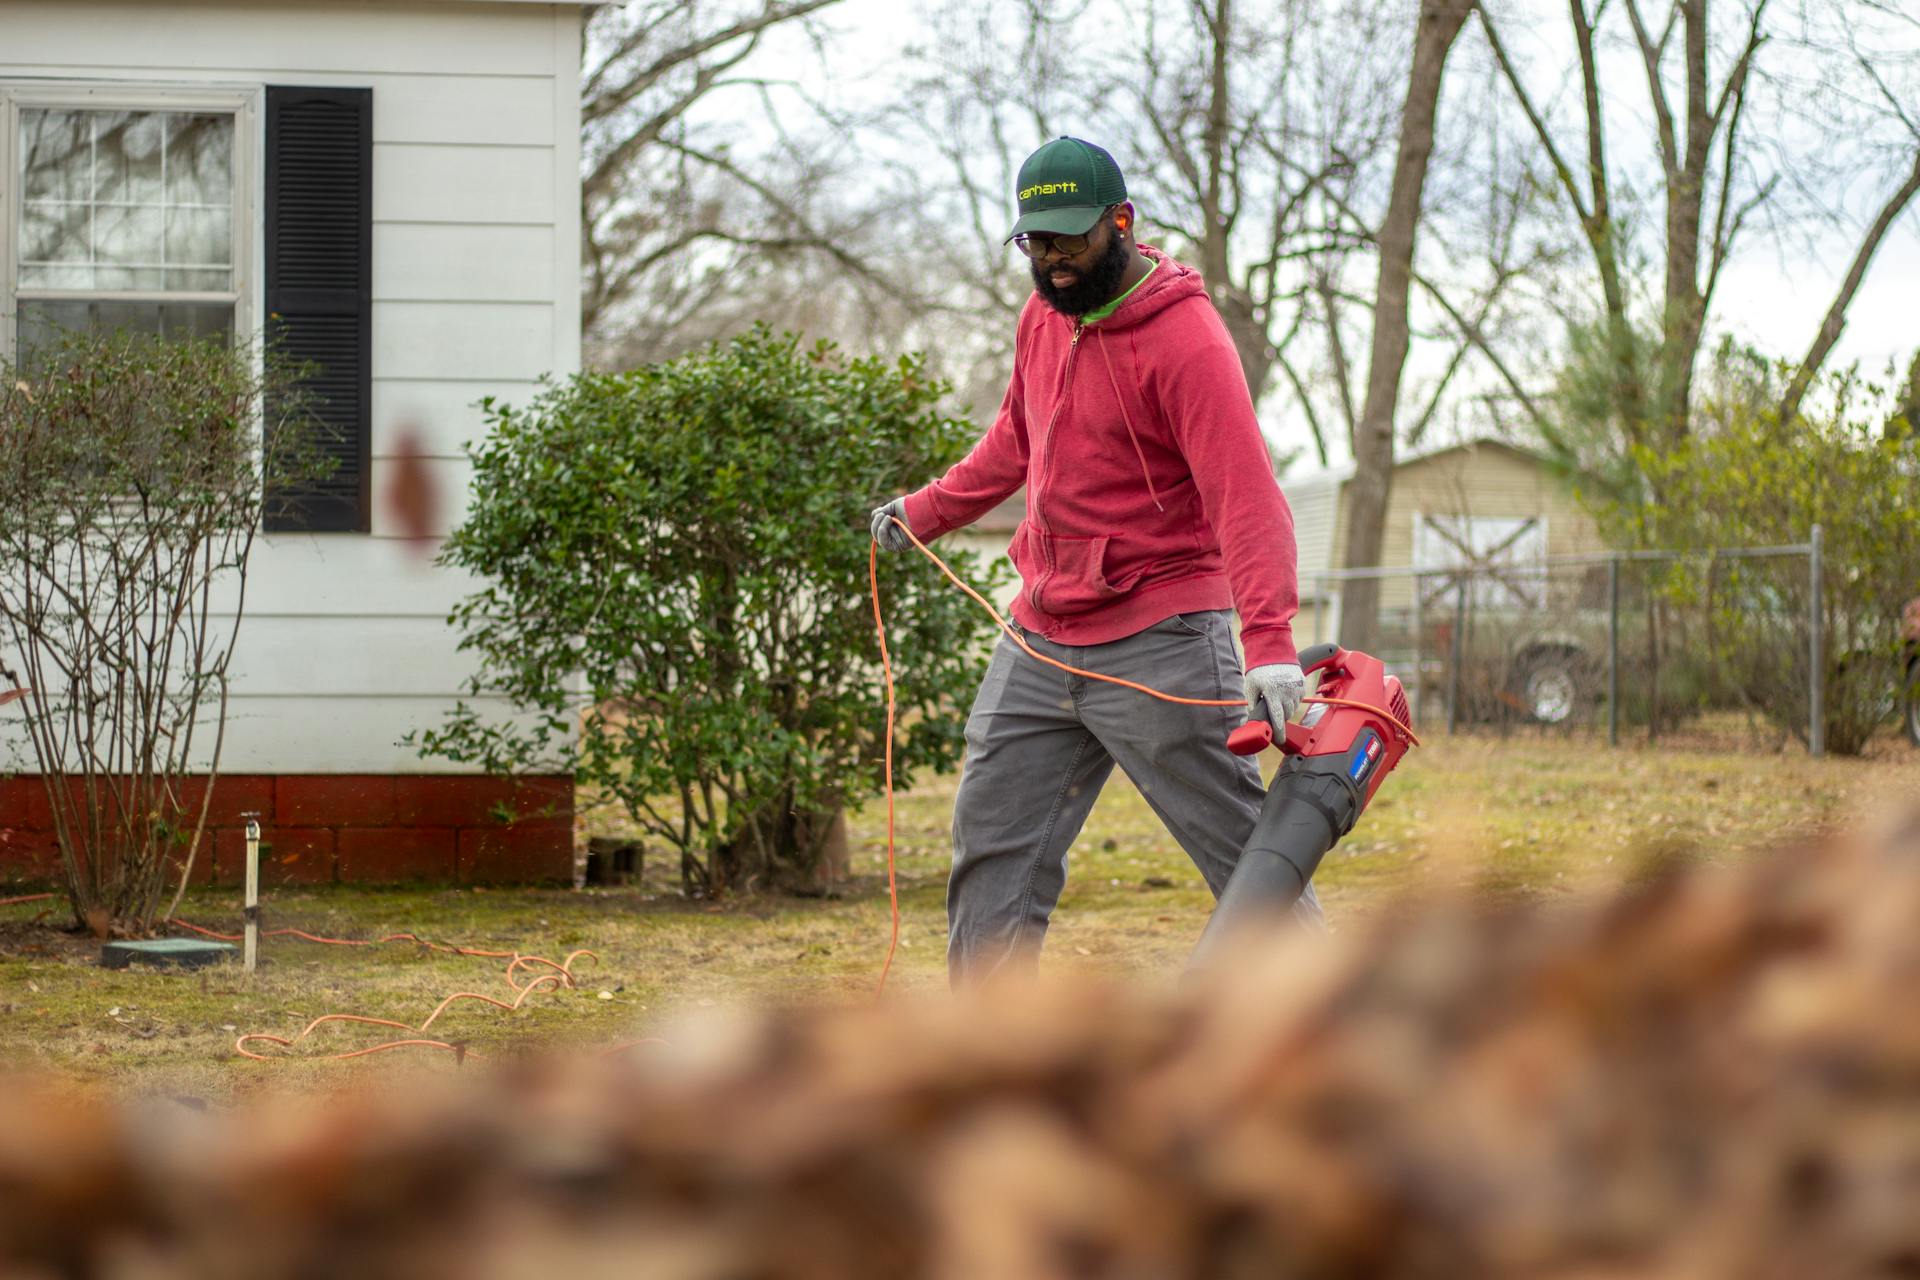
(889, 535)
(1281, 685)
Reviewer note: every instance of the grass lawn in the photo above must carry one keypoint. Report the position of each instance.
(1522, 817)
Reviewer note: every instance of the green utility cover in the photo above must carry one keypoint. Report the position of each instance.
(188, 953)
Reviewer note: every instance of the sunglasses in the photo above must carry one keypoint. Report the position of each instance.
(1038, 244)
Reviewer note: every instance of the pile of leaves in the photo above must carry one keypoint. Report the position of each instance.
(1712, 1074)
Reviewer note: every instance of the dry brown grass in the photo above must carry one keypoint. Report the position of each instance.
(1534, 821)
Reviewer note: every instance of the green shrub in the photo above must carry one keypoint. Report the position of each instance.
(677, 560)
(1746, 478)
(131, 489)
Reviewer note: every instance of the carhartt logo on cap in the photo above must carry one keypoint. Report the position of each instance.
(1065, 186)
(1049, 188)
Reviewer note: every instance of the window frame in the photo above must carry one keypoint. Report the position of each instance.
(243, 103)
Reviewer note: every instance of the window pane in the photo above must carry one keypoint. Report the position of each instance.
(200, 160)
(127, 153)
(56, 153)
(198, 280)
(126, 200)
(145, 279)
(41, 323)
(41, 277)
(54, 247)
(129, 237)
(198, 238)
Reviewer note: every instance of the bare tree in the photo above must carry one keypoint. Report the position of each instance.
(1261, 121)
(1713, 177)
(693, 224)
(981, 99)
(1884, 100)
(1243, 131)
(1439, 25)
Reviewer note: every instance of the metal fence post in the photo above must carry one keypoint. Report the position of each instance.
(1453, 662)
(1613, 652)
(1419, 672)
(1816, 646)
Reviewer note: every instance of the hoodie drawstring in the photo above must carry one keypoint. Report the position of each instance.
(1127, 418)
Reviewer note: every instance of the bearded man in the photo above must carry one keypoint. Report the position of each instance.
(1152, 511)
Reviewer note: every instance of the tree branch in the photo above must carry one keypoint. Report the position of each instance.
(1651, 55)
(1474, 333)
(600, 101)
(1560, 166)
(1837, 313)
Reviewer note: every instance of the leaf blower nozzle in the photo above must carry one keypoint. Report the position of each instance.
(1354, 734)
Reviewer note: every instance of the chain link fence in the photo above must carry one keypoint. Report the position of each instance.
(1716, 648)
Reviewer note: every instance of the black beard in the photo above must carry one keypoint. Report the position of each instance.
(1094, 289)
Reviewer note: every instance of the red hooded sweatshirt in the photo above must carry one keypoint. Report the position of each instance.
(1149, 489)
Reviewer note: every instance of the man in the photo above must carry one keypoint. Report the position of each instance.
(1151, 508)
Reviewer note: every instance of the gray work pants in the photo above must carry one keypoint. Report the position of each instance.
(1040, 743)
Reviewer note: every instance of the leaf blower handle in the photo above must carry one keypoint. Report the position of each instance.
(1256, 735)
(1314, 657)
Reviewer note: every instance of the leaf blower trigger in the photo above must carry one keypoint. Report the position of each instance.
(1332, 768)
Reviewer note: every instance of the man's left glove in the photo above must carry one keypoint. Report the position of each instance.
(889, 535)
(1282, 685)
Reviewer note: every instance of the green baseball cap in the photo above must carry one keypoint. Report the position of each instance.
(1065, 186)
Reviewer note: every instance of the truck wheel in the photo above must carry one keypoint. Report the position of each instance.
(1550, 684)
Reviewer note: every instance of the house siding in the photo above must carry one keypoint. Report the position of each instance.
(1313, 503)
(1484, 478)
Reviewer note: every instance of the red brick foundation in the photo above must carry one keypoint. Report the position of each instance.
(347, 828)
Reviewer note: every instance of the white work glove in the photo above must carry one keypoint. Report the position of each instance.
(1282, 685)
(889, 535)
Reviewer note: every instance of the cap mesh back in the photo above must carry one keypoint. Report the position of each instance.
(1108, 186)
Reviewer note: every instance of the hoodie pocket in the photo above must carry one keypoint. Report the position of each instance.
(1072, 573)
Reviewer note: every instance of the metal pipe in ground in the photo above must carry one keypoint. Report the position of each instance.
(250, 954)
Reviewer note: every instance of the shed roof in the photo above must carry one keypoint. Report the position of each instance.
(1334, 477)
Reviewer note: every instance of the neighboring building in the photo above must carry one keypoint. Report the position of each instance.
(397, 185)
(1483, 503)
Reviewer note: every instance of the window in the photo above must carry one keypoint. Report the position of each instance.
(1504, 555)
(132, 212)
(144, 207)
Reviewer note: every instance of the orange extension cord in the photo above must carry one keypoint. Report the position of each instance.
(561, 977)
(886, 667)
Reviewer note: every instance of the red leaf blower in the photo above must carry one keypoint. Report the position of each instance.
(1358, 729)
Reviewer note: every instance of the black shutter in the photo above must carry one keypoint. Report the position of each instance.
(319, 289)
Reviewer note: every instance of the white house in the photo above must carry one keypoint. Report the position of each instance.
(397, 183)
